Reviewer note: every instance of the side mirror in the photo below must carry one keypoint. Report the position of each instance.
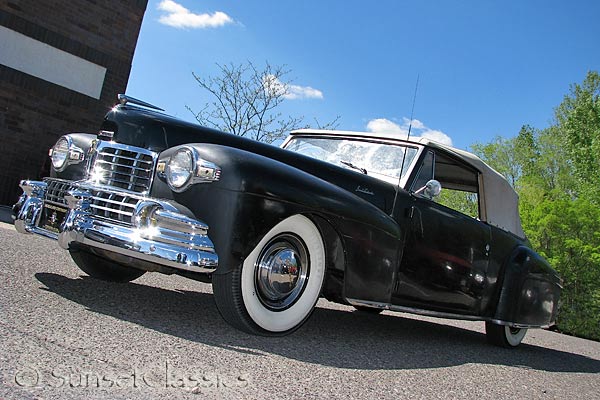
(431, 189)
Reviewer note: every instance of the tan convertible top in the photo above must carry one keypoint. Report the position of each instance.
(499, 201)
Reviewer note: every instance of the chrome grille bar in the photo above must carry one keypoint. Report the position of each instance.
(56, 190)
(124, 167)
(113, 206)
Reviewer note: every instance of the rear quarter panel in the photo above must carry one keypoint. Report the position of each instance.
(529, 290)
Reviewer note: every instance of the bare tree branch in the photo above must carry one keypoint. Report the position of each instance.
(245, 102)
(331, 125)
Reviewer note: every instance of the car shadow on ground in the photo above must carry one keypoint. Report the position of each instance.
(337, 338)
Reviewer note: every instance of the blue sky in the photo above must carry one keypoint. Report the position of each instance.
(485, 68)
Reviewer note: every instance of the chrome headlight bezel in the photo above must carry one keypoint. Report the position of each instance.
(180, 169)
(65, 153)
(60, 153)
(198, 170)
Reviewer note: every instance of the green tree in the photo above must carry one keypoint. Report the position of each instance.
(578, 120)
(567, 233)
(545, 162)
(556, 174)
(464, 202)
(501, 155)
(534, 158)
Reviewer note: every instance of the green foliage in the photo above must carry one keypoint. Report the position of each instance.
(578, 118)
(556, 172)
(567, 233)
(501, 154)
(544, 161)
(464, 202)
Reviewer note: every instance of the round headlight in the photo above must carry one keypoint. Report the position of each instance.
(180, 168)
(60, 153)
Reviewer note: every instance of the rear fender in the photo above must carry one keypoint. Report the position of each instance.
(530, 291)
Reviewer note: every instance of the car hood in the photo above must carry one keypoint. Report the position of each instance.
(156, 131)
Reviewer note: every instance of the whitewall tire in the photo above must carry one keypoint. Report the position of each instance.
(504, 335)
(279, 282)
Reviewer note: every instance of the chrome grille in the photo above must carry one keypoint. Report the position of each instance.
(109, 205)
(56, 190)
(119, 177)
(124, 167)
(113, 206)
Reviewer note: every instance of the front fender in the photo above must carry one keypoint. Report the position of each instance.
(530, 291)
(254, 193)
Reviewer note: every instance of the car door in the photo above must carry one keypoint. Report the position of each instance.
(445, 257)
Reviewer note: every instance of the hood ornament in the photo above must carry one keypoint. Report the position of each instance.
(124, 99)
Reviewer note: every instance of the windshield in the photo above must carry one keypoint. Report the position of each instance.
(381, 160)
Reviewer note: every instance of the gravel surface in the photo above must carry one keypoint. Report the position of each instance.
(64, 335)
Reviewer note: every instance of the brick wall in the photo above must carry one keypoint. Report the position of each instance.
(34, 112)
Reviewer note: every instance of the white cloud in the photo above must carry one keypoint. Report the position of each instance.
(303, 92)
(437, 136)
(180, 17)
(383, 125)
(290, 92)
(415, 123)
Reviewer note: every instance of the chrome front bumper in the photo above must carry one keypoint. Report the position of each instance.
(159, 233)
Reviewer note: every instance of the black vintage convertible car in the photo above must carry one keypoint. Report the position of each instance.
(357, 218)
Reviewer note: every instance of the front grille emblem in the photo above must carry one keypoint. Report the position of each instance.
(106, 134)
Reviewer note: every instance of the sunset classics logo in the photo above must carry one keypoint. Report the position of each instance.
(161, 377)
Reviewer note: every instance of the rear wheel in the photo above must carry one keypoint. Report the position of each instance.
(101, 268)
(276, 288)
(504, 335)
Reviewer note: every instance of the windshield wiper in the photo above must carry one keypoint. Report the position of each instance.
(349, 164)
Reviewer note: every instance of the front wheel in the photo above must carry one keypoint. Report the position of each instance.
(504, 335)
(278, 284)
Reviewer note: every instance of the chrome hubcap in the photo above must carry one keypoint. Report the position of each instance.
(281, 272)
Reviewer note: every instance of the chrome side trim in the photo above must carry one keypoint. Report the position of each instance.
(411, 310)
(437, 314)
(158, 233)
(520, 326)
(429, 313)
(370, 304)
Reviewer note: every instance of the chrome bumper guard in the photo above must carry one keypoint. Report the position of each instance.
(159, 233)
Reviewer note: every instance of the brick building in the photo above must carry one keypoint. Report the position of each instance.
(62, 63)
